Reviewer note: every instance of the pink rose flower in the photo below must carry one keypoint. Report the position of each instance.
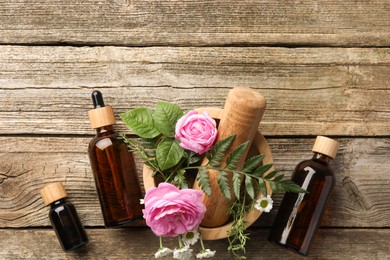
(196, 132)
(171, 212)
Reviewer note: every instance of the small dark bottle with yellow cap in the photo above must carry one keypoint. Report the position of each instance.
(300, 214)
(113, 169)
(63, 217)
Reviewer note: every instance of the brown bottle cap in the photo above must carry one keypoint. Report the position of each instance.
(326, 146)
(101, 116)
(53, 192)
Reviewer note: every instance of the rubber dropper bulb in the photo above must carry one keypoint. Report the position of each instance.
(97, 99)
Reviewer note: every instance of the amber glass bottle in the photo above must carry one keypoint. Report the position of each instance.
(63, 217)
(113, 169)
(300, 214)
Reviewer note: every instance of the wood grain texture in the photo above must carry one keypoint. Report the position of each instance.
(141, 244)
(309, 91)
(28, 163)
(196, 23)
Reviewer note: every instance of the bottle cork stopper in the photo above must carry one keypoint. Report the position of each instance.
(101, 116)
(53, 192)
(326, 146)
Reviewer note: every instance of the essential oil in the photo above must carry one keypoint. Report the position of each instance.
(63, 217)
(113, 168)
(300, 214)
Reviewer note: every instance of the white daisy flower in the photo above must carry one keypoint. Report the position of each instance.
(207, 253)
(190, 238)
(264, 204)
(141, 201)
(183, 253)
(163, 251)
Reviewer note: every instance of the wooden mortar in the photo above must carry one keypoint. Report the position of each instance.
(241, 116)
(259, 146)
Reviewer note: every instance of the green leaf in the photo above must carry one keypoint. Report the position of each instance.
(263, 187)
(193, 160)
(279, 178)
(259, 172)
(168, 153)
(249, 187)
(191, 157)
(165, 117)
(150, 153)
(151, 163)
(252, 163)
(141, 122)
(275, 186)
(180, 179)
(224, 184)
(235, 156)
(237, 184)
(216, 154)
(288, 185)
(270, 175)
(148, 143)
(204, 181)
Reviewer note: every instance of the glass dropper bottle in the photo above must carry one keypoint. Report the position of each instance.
(63, 217)
(113, 168)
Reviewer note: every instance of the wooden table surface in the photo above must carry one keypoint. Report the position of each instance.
(323, 66)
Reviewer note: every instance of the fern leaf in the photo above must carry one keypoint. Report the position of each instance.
(249, 187)
(270, 175)
(235, 156)
(180, 179)
(252, 163)
(223, 183)
(216, 154)
(204, 181)
(263, 187)
(259, 172)
(279, 178)
(288, 185)
(237, 184)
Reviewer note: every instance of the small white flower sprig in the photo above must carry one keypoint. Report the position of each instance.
(173, 143)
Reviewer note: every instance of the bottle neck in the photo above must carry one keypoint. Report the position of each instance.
(105, 130)
(58, 202)
(321, 158)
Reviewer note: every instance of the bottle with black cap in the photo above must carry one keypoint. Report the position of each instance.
(300, 214)
(113, 168)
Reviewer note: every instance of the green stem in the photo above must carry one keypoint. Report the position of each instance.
(207, 167)
(181, 244)
(201, 243)
(161, 243)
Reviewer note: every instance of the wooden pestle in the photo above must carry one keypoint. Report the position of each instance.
(241, 116)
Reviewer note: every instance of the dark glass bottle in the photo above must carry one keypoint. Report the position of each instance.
(113, 168)
(63, 217)
(300, 214)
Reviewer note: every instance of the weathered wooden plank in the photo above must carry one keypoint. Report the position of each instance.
(190, 23)
(332, 91)
(28, 163)
(142, 244)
